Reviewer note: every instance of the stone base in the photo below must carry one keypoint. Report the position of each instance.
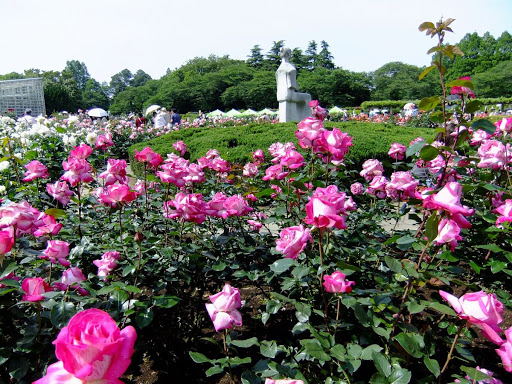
(293, 111)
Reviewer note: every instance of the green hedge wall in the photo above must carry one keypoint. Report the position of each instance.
(235, 144)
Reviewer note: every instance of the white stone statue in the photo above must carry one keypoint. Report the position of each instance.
(293, 105)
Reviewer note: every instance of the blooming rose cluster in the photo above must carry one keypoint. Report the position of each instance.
(22, 218)
(77, 168)
(328, 207)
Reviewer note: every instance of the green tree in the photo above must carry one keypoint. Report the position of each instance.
(298, 59)
(140, 78)
(325, 59)
(120, 81)
(78, 71)
(312, 55)
(255, 59)
(94, 95)
(496, 82)
(273, 58)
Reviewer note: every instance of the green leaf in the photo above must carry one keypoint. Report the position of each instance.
(300, 271)
(214, 370)
(497, 266)
(61, 313)
(144, 318)
(415, 148)
(428, 103)
(265, 192)
(429, 152)
(245, 343)
(464, 353)
(268, 348)
(281, 265)
(405, 240)
(442, 308)
(432, 365)
(472, 106)
(484, 124)
(55, 212)
(199, 357)
(378, 378)
(368, 352)
(432, 226)
(132, 288)
(428, 69)
(105, 290)
(166, 301)
(475, 374)
(393, 264)
(409, 343)
(339, 352)
(490, 247)
(414, 307)
(236, 361)
(129, 270)
(343, 265)
(400, 376)
(314, 349)
(219, 267)
(381, 363)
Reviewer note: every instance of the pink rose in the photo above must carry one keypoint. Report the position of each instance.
(493, 154)
(448, 199)
(326, 207)
(371, 168)
(116, 172)
(357, 189)
(292, 159)
(91, 348)
(34, 288)
(258, 156)
(336, 283)
(83, 151)
(505, 211)
(479, 136)
(397, 151)
(283, 381)
(116, 194)
(293, 240)
(402, 185)
(480, 309)
(275, 172)
(236, 206)
(505, 351)
(147, 155)
(71, 279)
(56, 251)
(35, 170)
(377, 187)
(448, 232)
(60, 191)
(190, 207)
(463, 91)
(250, 170)
(107, 263)
(334, 145)
(309, 130)
(77, 170)
(174, 172)
(6, 242)
(223, 309)
(195, 174)
(47, 226)
(505, 125)
(104, 141)
(180, 147)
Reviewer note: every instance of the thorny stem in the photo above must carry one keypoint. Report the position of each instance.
(448, 358)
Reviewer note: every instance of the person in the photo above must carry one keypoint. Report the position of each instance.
(175, 117)
(140, 120)
(167, 118)
(160, 119)
(28, 119)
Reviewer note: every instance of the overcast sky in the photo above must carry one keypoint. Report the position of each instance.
(153, 35)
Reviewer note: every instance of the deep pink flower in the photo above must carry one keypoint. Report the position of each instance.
(258, 156)
(336, 283)
(116, 172)
(71, 279)
(480, 309)
(371, 168)
(147, 155)
(117, 194)
(448, 231)
(402, 185)
(91, 348)
(35, 170)
(504, 125)
(463, 91)
(20, 216)
(326, 208)
(292, 159)
(278, 150)
(194, 174)
(104, 141)
(34, 288)
(180, 147)
(397, 151)
(223, 309)
(77, 170)
(309, 130)
(505, 211)
(333, 145)
(275, 172)
(357, 188)
(56, 251)
(190, 207)
(479, 136)
(377, 187)
(6, 242)
(448, 199)
(107, 263)
(505, 351)
(220, 165)
(83, 151)
(60, 191)
(47, 226)
(293, 240)
(236, 205)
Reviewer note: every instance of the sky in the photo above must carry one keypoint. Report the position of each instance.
(156, 35)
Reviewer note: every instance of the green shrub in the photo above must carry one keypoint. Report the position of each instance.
(235, 144)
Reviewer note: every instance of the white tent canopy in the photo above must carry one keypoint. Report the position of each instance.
(336, 110)
(233, 112)
(217, 112)
(267, 111)
(249, 112)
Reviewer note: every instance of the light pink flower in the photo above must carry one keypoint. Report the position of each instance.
(116, 194)
(77, 170)
(71, 279)
(104, 141)
(147, 155)
(91, 348)
(223, 308)
(505, 351)
(504, 125)
(480, 309)
(293, 240)
(47, 225)
(397, 151)
(180, 147)
(505, 211)
(357, 188)
(371, 168)
(448, 231)
(292, 159)
(377, 187)
(275, 172)
(336, 283)
(258, 156)
(448, 199)
(236, 205)
(402, 185)
(189, 207)
(479, 136)
(116, 172)
(60, 191)
(34, 288)
(107, 263)
(326, 208)
(35, 170)
(493, 154)
(309, 130)
(56, 251)
(250, 170)
(333, 145)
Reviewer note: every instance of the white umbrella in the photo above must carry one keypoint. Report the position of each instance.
(409, 106)
(151, 109)
(97, 112)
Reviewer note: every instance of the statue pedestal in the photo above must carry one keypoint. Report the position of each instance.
(293, 111)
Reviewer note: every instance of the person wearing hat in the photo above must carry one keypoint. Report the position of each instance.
(27, 120)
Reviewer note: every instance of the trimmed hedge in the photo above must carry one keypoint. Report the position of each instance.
(235, 144)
